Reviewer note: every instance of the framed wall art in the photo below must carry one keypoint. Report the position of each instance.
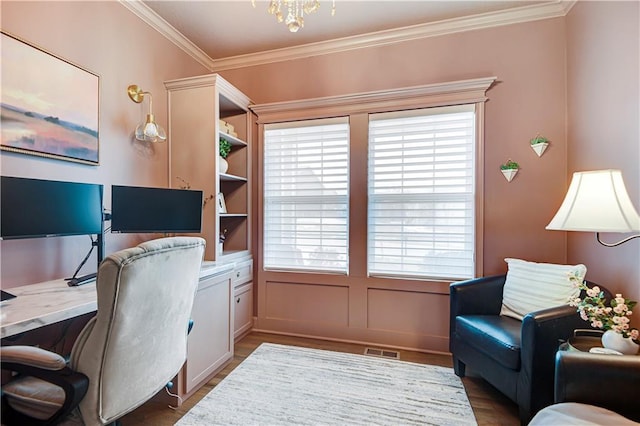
(49, 106)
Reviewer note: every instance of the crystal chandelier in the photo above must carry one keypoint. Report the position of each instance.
(295, 11)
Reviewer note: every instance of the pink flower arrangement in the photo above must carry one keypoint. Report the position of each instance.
(613, 317)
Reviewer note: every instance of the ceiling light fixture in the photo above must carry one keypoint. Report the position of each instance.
(295, 11)
(149, 131)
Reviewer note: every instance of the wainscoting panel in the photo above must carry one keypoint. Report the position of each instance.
(315, 303)
(407, 314)
(407, 311)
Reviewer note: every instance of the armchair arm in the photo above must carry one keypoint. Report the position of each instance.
(544, 330)
(608, 381)
(47, 366)
(541, 334)
(549, 327)
(479, 296)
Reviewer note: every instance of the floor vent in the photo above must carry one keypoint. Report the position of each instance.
(382, 353)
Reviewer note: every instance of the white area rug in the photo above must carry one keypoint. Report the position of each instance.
(279, 385)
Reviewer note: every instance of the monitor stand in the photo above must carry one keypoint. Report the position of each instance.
(73, 282)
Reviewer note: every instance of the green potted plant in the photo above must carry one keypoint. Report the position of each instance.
(509, 169)
(539, 144)
(225, 149)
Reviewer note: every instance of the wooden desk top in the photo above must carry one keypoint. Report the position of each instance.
(37, 305)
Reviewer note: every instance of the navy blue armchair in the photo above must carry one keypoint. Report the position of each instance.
(516, 357)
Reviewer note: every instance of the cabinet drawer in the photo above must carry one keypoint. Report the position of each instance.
(243, 273)
(243, 315)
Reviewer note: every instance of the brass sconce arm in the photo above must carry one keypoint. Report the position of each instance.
(148, 131)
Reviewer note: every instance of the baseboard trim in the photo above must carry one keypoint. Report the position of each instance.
(357, 342)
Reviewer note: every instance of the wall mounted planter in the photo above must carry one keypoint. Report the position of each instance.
(509, 169)
(539, 148)
(539, 144)
(509, 174)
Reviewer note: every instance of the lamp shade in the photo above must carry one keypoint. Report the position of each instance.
(150, 131)
(597, 201)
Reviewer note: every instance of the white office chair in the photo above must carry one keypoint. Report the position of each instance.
(129, 351)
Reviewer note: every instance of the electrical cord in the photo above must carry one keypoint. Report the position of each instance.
(166, 388)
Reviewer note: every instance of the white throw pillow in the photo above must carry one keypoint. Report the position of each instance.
(532, 286)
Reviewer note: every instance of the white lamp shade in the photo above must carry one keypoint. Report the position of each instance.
(597, 201)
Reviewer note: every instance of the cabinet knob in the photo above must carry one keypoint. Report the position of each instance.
(238, 274)
(238, 300)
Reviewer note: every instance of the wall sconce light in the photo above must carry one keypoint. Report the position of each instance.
(597, 201)
(149, 131)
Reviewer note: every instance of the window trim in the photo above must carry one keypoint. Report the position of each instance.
(422, 112)
(472, 91)
(305, 124)
(430, 95)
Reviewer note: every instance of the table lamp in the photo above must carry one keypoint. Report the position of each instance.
(597, 201)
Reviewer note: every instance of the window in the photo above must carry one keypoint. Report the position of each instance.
(415, 213)
(306, 182)
(421, 193)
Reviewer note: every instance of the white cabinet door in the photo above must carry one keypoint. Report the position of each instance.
(210, 343)
(243, 309)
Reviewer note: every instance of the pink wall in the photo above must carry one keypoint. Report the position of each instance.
(584, 65)
(111, 41)
(603, 94)
(529, 61)
(529, 98)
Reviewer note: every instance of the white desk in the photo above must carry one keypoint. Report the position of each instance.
(37, 305)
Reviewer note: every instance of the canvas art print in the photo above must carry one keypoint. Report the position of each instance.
(49, 107)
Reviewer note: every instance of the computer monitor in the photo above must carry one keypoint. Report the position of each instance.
(144, 210)
(34, 208)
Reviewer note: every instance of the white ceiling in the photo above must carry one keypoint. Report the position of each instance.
(230, 28)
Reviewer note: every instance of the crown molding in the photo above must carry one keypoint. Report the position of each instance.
(380, 38)
(158, 23)
(528, 13)
(567, 5)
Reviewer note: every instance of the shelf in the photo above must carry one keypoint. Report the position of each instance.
(232, 178)
(233, 140)
(231, 254)
(211, 100)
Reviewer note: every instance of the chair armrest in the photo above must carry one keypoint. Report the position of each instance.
(544, 330)
(479, 296)
(45, 365)
(608, 381)
(32, 356)
(541, 334)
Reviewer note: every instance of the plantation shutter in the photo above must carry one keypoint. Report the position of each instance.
(421, 193)
(306, 171)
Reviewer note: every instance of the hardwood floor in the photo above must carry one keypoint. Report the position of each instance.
(489, 406)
